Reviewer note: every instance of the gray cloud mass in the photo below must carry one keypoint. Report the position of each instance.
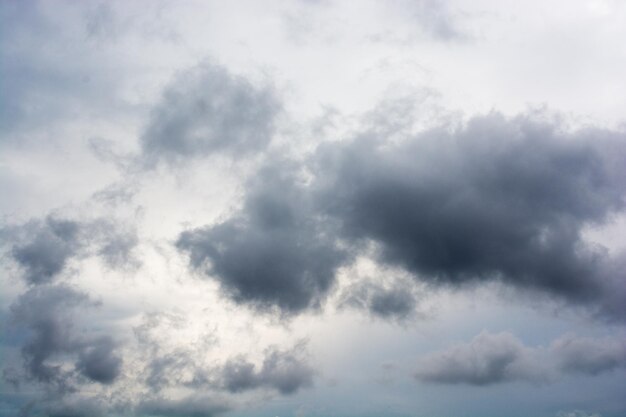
(396, 301)
(206, 213)
(496, 199)
(207, 110)
(501, 357)
(43, 247)
(284, 371)
(487, 359)
(46, 253)
(589, 356)
(273, 252)
(46, 312)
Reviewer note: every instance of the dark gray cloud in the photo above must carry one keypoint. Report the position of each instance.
(47, 250)
(284, 371)
(589, 356)
(486, 359)
(99, 362)
(207, 110)
(193, 406)
(396, 301)
(495, 199)
(46, 313)
(43, 248)
(274, 252)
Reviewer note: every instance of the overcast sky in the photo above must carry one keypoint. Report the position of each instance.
(313, 208)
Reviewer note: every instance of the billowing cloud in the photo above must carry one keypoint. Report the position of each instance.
(486, 359)
(46, 312)
(495, 199)
(274, 252)
(172, 261)
(98, 361)
(48, 249)
(43, 310)
(207, 110)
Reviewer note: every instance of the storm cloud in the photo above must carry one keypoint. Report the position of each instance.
(98, 361)
(493, 199)
(274, 252)
(46, 313)
(207, 110)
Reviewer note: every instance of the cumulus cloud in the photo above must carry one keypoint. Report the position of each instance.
(487, 359)
(495, 199)
(46, 313)
(589, 356)
(47, 250)
(274, 252)
(98, 361)
(207, 110)
(501, 357)
(43, 247)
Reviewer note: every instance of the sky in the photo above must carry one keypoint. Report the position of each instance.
(313, 208)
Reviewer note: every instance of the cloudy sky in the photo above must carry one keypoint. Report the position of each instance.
(313, 208)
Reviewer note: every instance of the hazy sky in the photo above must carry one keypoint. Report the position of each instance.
(313, 208)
